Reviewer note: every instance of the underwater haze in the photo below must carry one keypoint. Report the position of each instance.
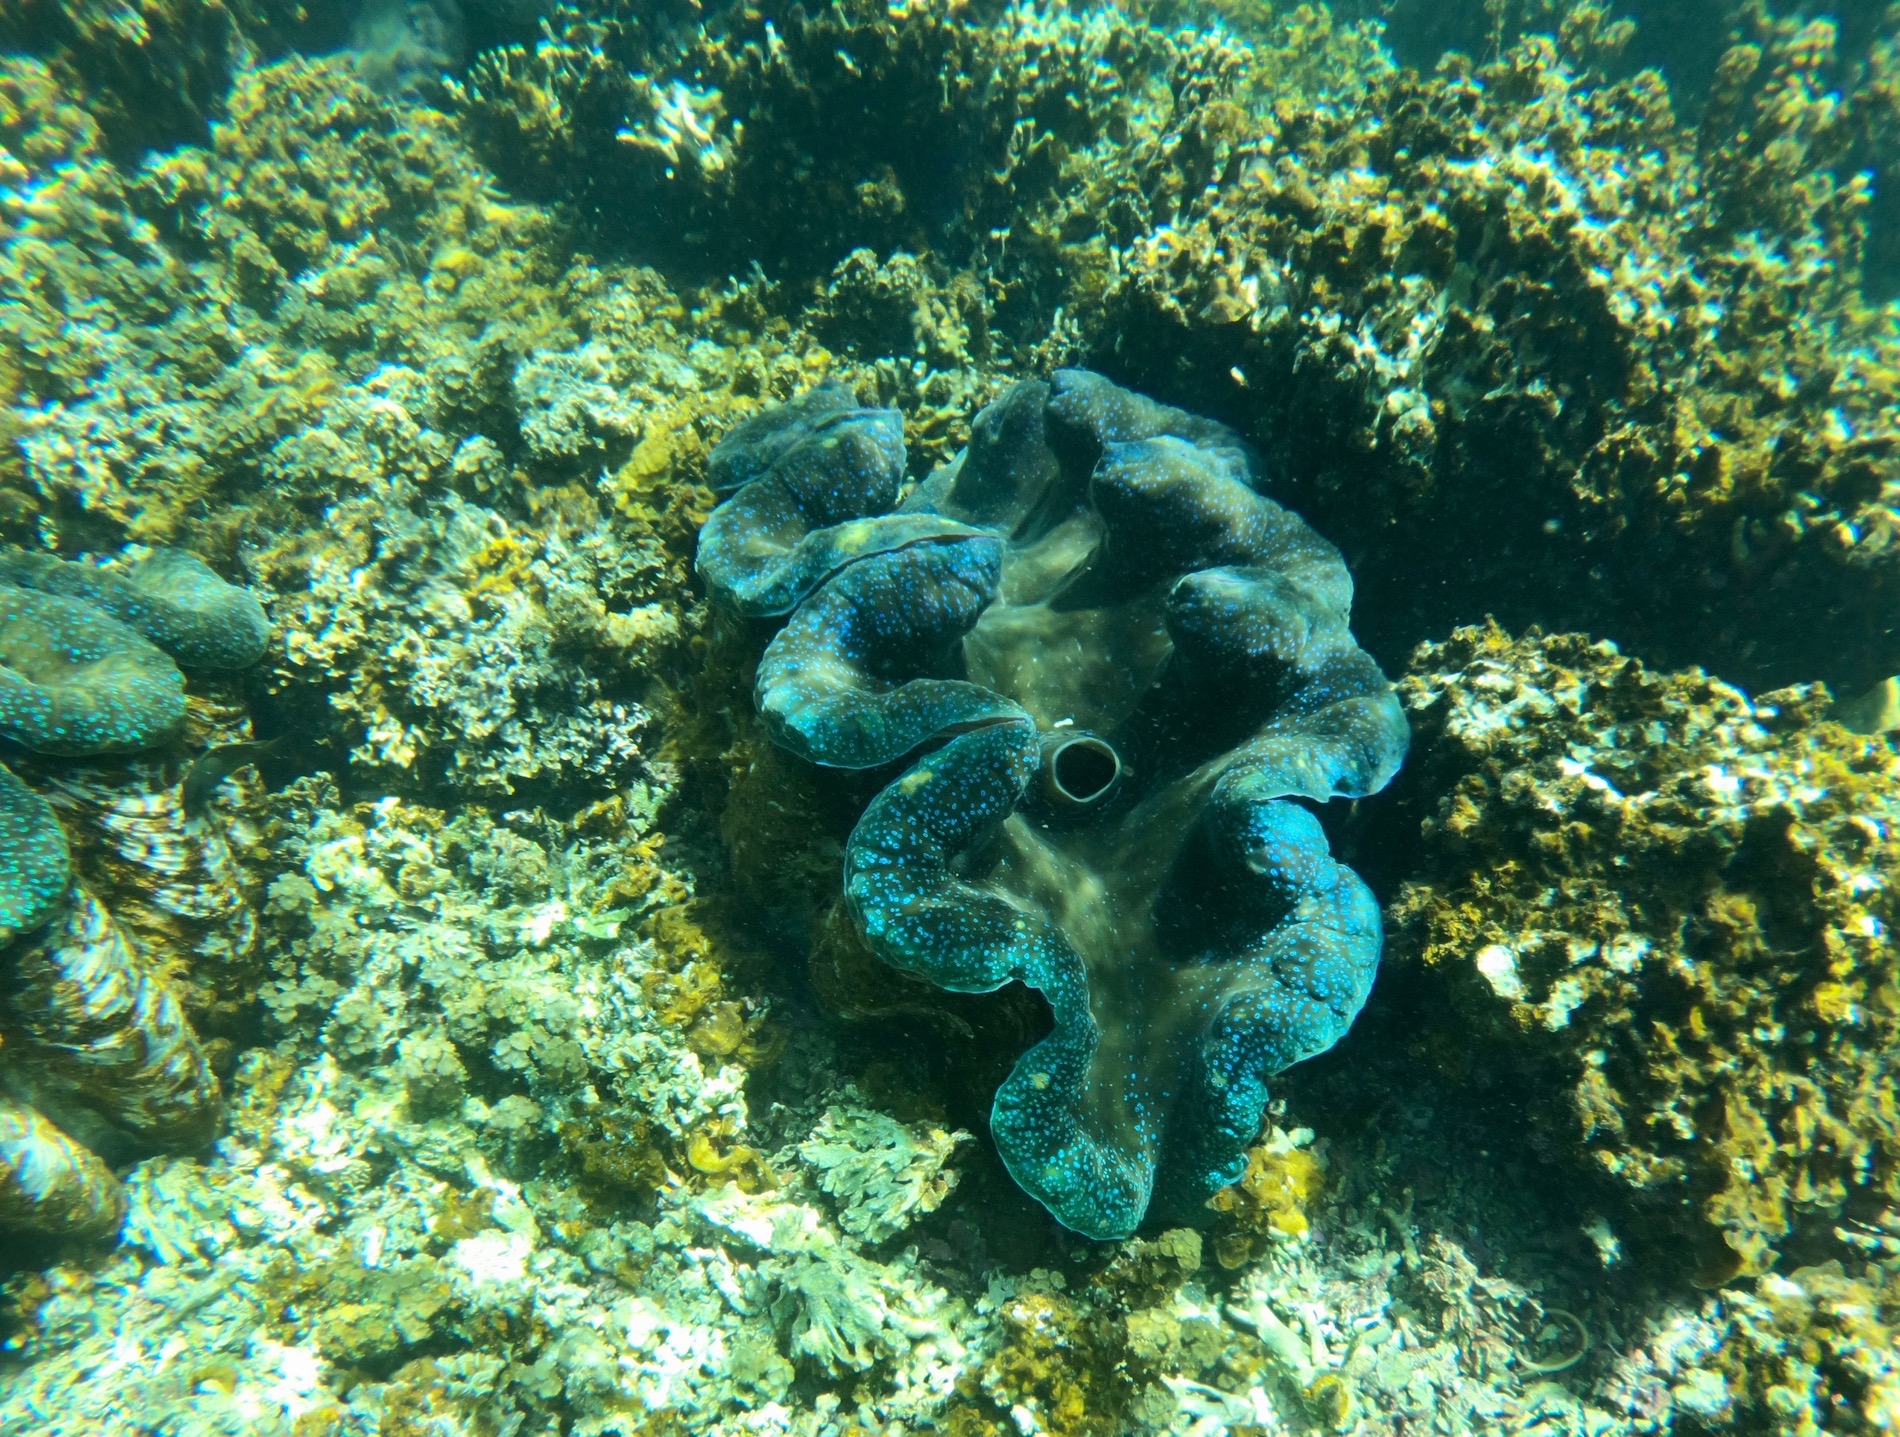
(776, 719)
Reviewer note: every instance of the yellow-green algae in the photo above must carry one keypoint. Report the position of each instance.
(1667, 903)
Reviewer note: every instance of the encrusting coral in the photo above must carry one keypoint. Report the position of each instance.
(1529, 340)
(92, 1029)
(1092, 825)
(1664, 907)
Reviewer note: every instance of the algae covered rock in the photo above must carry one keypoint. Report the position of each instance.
(1146, 658)
(1660, 910)
(753, 141)
(333, 232)
(1530, 340)
(150, 75)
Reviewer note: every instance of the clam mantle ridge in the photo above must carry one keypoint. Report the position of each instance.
(90, 1025)
(1120, 663)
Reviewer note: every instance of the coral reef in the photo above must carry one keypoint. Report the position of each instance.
(179, 331)
(1804, 1352)
(94, 1033)
(1662, 906)
(148, 74)
(532, 1124)
(385, 952)
(351, 1261)
(743, 141)
(324, 345)
(1634, 327)
(1528, 340)
(493, 1000)
(1102, 566)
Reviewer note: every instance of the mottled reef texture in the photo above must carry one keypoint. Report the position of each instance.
(422, 321)
(1666, 907)
(1533, 344)
(1522, 338)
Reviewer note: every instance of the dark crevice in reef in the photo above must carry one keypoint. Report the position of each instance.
(153, 76)
(1516, 544)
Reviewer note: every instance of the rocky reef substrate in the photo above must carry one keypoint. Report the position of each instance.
(556, 1092)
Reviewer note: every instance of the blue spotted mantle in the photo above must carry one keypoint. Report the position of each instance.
(1115, 669)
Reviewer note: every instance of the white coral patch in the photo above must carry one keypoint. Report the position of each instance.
(1498, 967)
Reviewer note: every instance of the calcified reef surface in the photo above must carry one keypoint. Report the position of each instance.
(557, 1097)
